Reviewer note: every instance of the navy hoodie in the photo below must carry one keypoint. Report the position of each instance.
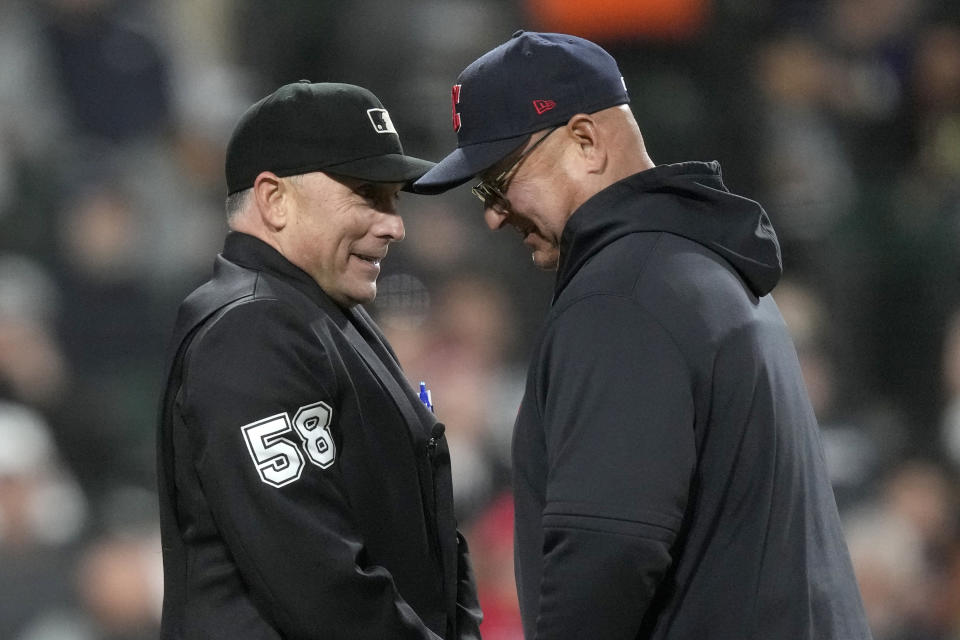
(668, 474)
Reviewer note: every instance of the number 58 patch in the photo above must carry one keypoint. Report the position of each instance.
(278, 461)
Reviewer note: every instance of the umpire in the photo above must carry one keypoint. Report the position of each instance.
(304, 489)
(668, 474)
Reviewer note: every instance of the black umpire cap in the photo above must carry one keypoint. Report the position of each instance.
(302, 127)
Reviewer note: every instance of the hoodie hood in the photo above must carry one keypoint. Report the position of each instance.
(687, 199)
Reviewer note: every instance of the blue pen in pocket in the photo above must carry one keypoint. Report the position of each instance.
(425, 396)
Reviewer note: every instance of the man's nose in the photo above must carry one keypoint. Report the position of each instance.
(390, 226)
(494, 218)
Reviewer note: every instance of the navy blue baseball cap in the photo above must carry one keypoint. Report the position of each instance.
(530, 82)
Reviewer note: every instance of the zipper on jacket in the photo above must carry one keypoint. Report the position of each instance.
(432, 445)
(433, 450)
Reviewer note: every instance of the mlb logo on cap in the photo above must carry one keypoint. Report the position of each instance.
(529, 83)
(381, 120)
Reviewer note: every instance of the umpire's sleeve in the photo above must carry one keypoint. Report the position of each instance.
(289, 527)
(618, 419)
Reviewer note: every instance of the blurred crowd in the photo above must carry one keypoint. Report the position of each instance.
(841, 116)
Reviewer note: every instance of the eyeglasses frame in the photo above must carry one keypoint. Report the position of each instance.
(492, 193)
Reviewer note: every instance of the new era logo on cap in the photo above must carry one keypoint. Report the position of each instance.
(542, 106)
(381, 120)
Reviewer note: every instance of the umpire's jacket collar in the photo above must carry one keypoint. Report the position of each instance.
(253, 253)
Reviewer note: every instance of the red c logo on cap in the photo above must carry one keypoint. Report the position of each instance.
(542, 106)
(455, 95)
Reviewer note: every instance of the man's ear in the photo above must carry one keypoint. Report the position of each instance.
(591, 147)
(272, 195)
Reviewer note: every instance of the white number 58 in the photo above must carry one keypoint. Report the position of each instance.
(278, 461)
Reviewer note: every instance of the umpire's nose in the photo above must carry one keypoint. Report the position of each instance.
(390, 227)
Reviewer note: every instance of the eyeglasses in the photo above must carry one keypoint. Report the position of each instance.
(492, 193)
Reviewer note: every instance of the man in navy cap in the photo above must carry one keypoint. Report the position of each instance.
(668, 475)
(305, 491)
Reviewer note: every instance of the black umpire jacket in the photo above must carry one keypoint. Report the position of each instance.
(668, 472)
(304, 489)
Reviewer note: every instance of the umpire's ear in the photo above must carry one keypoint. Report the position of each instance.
(271, 194)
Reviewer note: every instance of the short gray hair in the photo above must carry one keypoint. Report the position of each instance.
(239, 200)
(236, 202)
